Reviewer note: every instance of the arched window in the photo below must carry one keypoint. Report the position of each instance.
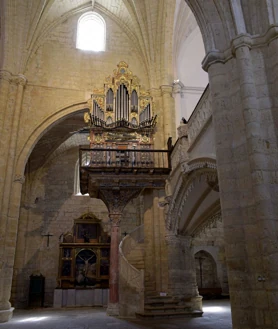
(91, 32)
(77, 178)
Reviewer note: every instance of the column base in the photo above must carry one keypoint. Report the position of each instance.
(6, 315)
(113, 309)
(197, 303)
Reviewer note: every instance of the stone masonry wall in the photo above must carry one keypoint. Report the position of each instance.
(49, 205)
(211, 240)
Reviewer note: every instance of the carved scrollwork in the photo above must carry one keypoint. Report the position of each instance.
(87, 117)
(199, 117)
(192, 173)
(116, 199)
(211, 222)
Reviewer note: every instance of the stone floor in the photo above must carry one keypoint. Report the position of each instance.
(217, 315)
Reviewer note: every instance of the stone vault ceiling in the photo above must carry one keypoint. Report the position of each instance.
(141, 20)
(147, 23)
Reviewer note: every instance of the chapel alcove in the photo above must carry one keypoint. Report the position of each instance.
(84, 255)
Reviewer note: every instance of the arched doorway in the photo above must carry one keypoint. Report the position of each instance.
(206, 274)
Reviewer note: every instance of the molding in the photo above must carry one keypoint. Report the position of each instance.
(6, 315)
(19, 179)
(5, 75)
(242, 40)
(190, 174)
(18, 79)
(166, 89)
(155, 92)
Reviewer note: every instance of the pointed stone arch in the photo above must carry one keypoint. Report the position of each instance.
(41, 129)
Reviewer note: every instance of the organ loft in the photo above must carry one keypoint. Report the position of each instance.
(121, 162)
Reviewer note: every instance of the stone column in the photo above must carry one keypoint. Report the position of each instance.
(20, 80)
(156, 270)
(181, 267)
(113, 306)
(5, 79)
(168, 113)
(246, 151)
(158, 110)
(10, 204)
(5, 83)
(8, 255)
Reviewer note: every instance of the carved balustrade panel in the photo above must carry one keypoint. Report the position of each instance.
(200, 117)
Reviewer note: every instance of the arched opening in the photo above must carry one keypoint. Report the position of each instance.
(48, 205)
(91, 32)
(206, 274)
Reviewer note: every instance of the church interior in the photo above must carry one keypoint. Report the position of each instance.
(139, 157)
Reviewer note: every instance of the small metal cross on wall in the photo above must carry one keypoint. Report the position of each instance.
(48, 235)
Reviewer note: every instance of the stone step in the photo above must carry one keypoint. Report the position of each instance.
(135, 253)
(138, 266)
(150, 315)
(135, 259)
(161, 299)
(161, 304)
(167, 308)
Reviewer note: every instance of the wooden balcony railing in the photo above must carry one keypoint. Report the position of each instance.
(100, 158)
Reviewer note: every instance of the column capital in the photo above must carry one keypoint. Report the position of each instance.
(166, 89)
(5, 75)
(155, 92)
(241, 40)
(19, 79)
(19, 178)
(115, 218)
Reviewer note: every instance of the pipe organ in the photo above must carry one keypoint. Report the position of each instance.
(122, 113)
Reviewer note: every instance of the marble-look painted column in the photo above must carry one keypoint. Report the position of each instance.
(113, 305)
